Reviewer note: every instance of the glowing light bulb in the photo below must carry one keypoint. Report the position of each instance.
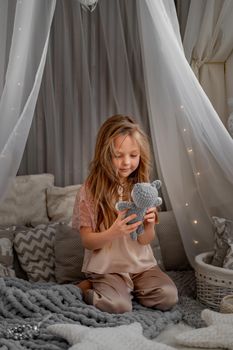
(186, 204)
(195, 241)
(198, 173)
(184, 130)
(195, 222)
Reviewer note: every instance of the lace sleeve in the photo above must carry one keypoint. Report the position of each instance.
(83, 213)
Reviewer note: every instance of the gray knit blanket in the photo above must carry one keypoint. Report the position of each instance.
(22, 302)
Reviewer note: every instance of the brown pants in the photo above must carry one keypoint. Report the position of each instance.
(114, 292)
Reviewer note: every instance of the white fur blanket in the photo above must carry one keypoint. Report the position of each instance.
(125, 337)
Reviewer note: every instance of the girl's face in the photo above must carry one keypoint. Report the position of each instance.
(127, 155)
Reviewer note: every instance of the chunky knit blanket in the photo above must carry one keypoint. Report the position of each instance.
(43, 304)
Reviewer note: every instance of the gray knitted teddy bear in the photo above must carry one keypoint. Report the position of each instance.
(144, 196)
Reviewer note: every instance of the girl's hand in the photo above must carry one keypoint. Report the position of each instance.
(120, 227)
(151, 216)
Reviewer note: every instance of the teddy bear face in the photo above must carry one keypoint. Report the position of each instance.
(144, 194)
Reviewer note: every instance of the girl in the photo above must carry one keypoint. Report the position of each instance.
(117, 267)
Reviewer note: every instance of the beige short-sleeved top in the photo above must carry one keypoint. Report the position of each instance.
(122, 255)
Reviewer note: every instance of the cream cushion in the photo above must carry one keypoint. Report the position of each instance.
(25, 202)
(60, 202)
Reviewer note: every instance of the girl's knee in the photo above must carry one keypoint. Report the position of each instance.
(120, 307)
(163, 298)
(169, 297)
(114, 306)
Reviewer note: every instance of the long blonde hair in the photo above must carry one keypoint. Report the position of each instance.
(102, 181)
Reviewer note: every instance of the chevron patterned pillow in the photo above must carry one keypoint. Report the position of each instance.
(35, 250)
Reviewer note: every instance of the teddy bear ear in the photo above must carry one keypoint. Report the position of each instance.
(156, 183)
(158, 202)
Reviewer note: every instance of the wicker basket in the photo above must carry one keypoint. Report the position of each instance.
(213, 283)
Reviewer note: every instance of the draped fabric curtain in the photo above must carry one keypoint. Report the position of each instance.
(93, 70)
(208, 46)
(194, 148)
(7, 14)
(25, 27)
(182, 9)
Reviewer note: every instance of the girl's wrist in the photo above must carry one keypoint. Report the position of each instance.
(111, 233)
(149, 224)
(149, 228)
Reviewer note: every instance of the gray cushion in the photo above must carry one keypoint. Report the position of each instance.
(9, 264)
(172, 249)
(6, 251)
(68, 255)
(157, 251)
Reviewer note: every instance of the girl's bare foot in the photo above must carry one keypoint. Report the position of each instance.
(87, 291)
(84, 285)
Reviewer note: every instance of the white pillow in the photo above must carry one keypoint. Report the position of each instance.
(60, 203)
(25, 202)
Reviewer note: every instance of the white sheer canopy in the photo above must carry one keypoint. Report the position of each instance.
(194, 148)
(21, 82)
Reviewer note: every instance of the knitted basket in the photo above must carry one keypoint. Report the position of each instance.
(226, 305)
(213, 283)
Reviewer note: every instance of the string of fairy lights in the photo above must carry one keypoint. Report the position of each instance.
(197, 173)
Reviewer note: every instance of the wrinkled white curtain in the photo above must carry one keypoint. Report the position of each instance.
(93, 70)
(194, 148)
(25, 27)
(208, 45)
